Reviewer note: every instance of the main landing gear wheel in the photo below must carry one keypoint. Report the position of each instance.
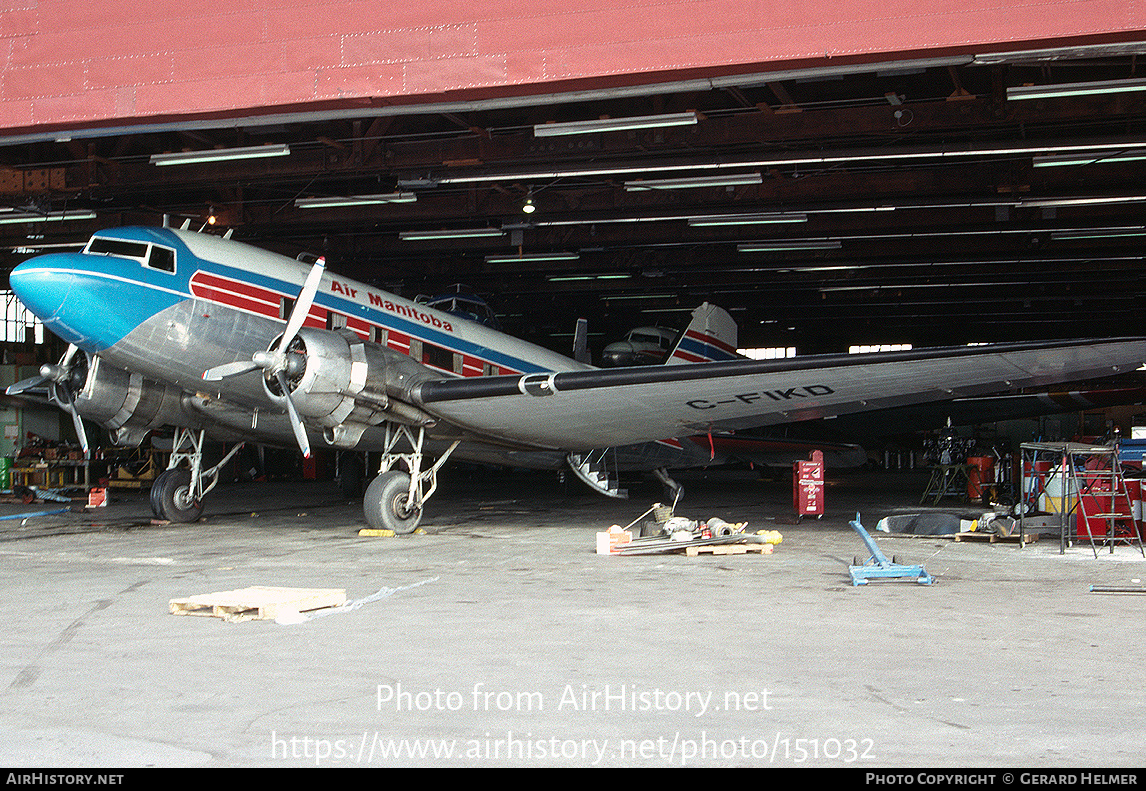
(171, 497)
(385, 503)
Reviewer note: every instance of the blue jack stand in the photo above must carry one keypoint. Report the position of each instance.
(879, 567)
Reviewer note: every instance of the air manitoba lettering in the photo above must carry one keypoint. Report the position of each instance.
(409, 311)
(788, 394)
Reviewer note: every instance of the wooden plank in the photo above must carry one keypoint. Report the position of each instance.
(994, 538)
(976, 536)
(258, 602)
(729, 549)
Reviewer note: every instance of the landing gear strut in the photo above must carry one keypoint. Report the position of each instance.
(672, 489)
(177, 494)
(395, 498)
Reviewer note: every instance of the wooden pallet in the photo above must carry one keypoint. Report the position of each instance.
(995, 538)
(258, 603)
(729, 549)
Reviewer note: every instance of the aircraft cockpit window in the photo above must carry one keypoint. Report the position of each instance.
(162, 258)
(117, 247)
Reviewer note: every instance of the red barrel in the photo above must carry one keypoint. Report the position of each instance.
(982, 471)
(1034, 481)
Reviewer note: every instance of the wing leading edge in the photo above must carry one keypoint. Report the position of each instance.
(578, 410)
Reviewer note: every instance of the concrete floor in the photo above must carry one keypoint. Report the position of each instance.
(500, 638)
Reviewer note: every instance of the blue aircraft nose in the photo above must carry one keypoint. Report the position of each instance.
(43, 284)
(94, 301)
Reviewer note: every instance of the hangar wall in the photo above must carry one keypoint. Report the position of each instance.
(71, 63)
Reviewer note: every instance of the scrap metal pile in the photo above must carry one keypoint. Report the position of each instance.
(665, 532)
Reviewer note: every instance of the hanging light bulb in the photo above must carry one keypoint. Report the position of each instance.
(528, 207)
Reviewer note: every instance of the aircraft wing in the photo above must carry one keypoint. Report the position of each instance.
(580, 410)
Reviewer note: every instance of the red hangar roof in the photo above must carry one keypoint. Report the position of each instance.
(69, 64)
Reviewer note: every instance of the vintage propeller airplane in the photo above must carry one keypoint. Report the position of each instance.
(223, 340)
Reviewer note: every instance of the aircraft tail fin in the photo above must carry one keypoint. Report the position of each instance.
(581, 343)
(710, 336)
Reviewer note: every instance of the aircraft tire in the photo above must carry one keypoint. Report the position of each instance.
(169, 497)
(384, 504)
(156, 505)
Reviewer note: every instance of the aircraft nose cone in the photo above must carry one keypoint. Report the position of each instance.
(618, 355)
(42, 285)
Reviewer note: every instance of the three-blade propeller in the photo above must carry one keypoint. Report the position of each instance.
(59, 380)
(278, 362)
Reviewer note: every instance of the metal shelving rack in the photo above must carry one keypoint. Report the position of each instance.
(1091, 487)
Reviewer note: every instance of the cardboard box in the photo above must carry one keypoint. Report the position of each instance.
(609, 540)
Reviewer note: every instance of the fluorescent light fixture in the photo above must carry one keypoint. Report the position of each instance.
(35, 248)
(615, 124)
(732, 180)
(1075, 89)
(355, 200)
(1083, 158)
(530, 257)
(219, 155)
(811, 158)
(564, 278)
(1042, 203)
(8, 218)
(780, 245)
(748, 219)
(1099, 233)
(459, 233)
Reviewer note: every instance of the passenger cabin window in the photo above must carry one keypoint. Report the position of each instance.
(437, 356)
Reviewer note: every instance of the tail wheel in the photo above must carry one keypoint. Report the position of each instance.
(386, 503)
(171, 497)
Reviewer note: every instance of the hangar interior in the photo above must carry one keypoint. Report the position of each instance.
(931, 173)
(931, 198)
(924, 201)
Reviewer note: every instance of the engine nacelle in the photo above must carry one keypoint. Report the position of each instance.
(349, 385)
(126, 403)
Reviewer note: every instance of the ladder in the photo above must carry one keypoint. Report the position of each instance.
(598, 470)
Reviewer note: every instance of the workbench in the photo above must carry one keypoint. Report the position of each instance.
(52, 473)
